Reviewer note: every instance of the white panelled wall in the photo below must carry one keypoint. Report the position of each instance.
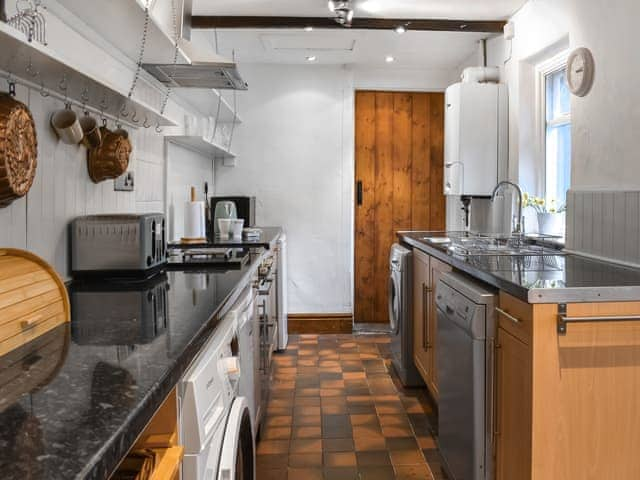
(62, 189)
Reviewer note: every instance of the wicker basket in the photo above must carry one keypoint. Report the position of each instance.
(18, 149)
(111, 159)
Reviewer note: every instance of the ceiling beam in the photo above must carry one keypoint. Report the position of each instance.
(368, 23)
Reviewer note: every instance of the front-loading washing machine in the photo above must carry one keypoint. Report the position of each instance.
(215, 421)
(401, 316)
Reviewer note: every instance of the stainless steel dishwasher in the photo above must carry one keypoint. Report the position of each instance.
(466, 332)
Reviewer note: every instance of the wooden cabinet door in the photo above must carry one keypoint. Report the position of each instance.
(437, 269)
(513, 408)
(420, 304)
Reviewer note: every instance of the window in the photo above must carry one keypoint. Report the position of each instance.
(557, 135)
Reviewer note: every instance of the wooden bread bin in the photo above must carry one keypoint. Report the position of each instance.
(33, 299)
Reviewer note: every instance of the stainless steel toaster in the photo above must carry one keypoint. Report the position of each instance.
(118, 243)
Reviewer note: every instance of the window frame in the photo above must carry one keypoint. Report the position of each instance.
(542, 69)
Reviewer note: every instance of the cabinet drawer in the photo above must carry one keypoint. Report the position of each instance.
(516, 317)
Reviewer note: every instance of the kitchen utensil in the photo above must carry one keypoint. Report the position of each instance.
(34, 298)
(30, 20)
(194, 221)
(224, 227)
(208, 221)
(236, 228)
(91, 131)
(18, 149)
(66, 124)
(111, 158)
(223, 209)
(123, 243)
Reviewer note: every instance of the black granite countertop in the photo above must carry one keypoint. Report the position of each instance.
(561, 278)
(266, 240)
(126, 347)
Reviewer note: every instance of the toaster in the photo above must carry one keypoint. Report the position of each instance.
(118, 243)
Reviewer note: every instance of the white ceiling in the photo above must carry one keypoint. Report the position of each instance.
(453, 9)
(437, 50)
(425, 50)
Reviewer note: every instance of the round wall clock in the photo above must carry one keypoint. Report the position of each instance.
(580, 71)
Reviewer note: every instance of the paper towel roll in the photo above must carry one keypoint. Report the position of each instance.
(194, 224)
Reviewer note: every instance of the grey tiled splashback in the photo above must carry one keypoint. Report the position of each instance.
(605, 224)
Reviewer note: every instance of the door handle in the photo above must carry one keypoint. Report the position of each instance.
(359, 193)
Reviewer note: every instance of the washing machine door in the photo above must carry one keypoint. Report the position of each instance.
(237, 458)
(394, 301)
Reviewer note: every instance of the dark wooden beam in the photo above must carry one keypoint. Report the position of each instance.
(210, 22)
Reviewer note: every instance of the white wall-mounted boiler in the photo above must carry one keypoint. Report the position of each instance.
(476, 135)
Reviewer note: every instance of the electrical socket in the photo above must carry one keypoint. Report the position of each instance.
(124, 183)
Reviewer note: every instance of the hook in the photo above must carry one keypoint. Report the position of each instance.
(30, 70)
(158, 128)
(123, 111)
(63, 84)
(12, 89)
(85, 95)
(104, 121)
(134, 117)
(43, 92)
(146, 123)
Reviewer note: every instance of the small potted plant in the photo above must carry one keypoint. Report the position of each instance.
(550, 220)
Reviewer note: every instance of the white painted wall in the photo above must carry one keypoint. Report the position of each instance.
(295, 154)
(295, 157)
(185, 168)
(606, 121)
(62, 189)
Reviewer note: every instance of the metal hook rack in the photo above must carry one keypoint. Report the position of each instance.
(46, 92)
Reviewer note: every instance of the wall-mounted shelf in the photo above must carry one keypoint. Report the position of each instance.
(206, 102)
(120, 22)
(38, 64)
(201, 145)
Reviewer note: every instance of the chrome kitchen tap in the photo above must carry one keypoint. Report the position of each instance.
(517, 228)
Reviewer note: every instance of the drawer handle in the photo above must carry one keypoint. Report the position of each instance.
(31, 322)
(563, 320)
(507, 315)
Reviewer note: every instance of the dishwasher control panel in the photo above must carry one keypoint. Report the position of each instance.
(453, 293)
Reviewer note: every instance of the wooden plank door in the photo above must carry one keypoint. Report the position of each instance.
(399, 169)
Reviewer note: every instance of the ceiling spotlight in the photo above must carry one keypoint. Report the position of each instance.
(312, 58)
(308, 29)
(389, 59)
(343, 11)
(400, 29)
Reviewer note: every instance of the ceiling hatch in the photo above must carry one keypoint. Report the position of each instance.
(320, 42)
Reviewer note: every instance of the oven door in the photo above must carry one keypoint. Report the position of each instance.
(237, 458)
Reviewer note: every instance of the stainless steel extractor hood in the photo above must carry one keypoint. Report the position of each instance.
(205, 70)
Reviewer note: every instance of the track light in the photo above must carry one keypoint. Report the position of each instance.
(389, 59)
(400, 29)
(342, 10)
